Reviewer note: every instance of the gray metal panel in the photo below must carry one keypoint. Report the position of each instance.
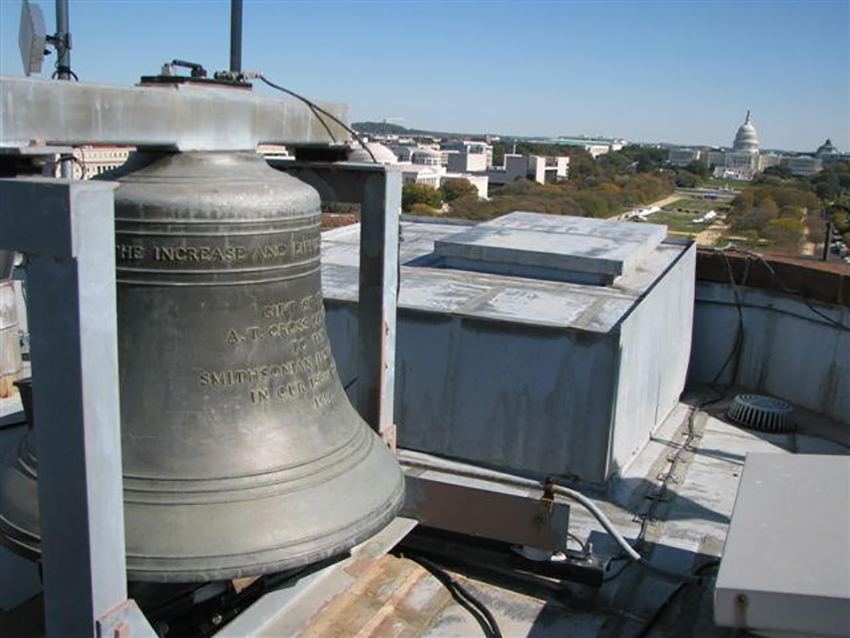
(486, 509)
(376, 311)
(655, 349)
(183, 117)
(70, 238)
(786, 564)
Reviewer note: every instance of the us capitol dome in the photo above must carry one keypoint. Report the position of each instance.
(746, 139)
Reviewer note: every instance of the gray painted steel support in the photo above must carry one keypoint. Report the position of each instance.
(185, 118)
(236, 36)
(68, 236)
(376, 310)
(63, 37)
(377, 189)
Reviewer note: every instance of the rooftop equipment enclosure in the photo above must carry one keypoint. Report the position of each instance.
(532, 342)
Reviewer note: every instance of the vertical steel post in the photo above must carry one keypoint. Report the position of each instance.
(63, 36)
(376, 309)
(68, 233)
(63, 66)
(236, 36)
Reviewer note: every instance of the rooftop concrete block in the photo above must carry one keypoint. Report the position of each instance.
(552, 247)
(525, 373)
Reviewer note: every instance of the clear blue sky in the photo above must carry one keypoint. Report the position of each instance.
(683, 72)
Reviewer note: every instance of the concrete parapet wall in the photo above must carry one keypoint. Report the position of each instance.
(788, 350)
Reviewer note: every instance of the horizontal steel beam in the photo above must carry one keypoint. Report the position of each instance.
(337, 181)
(182, 117)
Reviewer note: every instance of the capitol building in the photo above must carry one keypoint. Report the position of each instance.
(745, 159)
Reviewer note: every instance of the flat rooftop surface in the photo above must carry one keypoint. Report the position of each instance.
(383, 596)
(394, 596)
(560, 243)
(427, 287)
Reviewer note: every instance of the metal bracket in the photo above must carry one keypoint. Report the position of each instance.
(487, 510)
(377, 188)
(124, 621)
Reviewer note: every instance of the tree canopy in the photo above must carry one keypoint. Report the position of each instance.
(456, 187)
(412, 193)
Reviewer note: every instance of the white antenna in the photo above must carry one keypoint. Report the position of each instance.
(32, 38)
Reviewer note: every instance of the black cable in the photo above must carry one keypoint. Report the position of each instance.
(649, 515)
(316, 108)
(738, 344)
(609, 578)
(63, 69)
(461, 595)
(584, 548)
(647, 627)
(790, 291)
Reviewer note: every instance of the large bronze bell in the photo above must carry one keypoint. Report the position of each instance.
(241, 452)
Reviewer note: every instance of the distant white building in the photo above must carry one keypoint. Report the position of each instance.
(378, 150)
(91, 161)
(594, 146)
(426, 157)
(684, 156)
(827, 150)
(274, 151)
(537, 168)
(745, 159)
(466, 162)
(802, 165)
(422, 174)
(473, 149)
(746, 139)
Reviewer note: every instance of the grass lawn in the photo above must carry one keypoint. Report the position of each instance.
(728, 183)
(698, 206)
(678, 222)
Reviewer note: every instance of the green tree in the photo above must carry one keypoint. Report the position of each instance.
(768, 208)
(457, 187)
(699, 168)
(785, 232)
(782, 172)
(686, 179)
(423, 210)
(840, 217)
(412, 193)
(827, 186)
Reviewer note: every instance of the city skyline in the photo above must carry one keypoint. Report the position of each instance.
(682, 73)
